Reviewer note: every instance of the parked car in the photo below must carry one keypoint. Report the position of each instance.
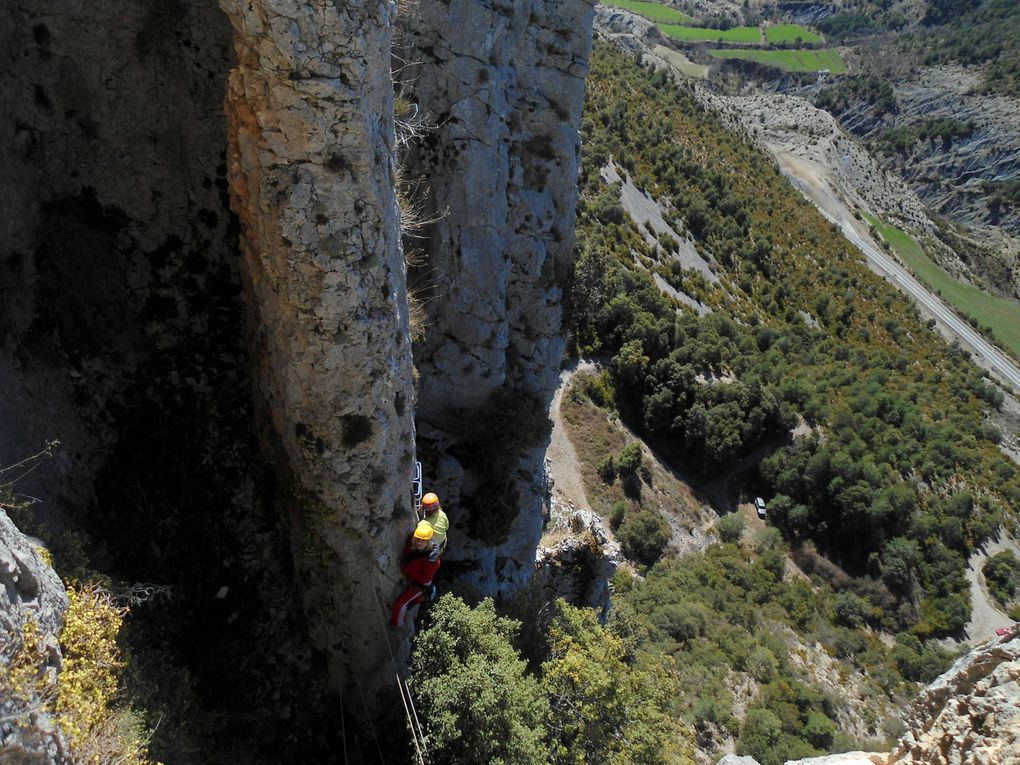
(759, 507)
(1003, 631)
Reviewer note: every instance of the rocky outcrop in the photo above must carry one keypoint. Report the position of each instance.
(577, 559)
(31, 592)
(971, 714)
(968, 716)
(503, 84)
(312, 178)
(31, 589)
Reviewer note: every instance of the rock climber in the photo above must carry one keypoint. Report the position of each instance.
(422, 562)
(431, 511)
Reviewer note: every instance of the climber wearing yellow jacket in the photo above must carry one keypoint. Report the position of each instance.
(431, 511)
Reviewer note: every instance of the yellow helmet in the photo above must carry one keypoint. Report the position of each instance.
(430, 501)
(424, 530)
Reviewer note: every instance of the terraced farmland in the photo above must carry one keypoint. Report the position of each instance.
(703, 34)
(656, 12)
(790, 60)
(777, 34)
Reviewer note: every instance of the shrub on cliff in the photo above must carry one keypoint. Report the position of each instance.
(591, 700)
(86, 699)
(605, 705)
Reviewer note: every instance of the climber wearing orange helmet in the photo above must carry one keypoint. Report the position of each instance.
(422, 557)
(431, 511)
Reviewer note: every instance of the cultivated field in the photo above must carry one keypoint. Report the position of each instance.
(654, 11)
(1002, 315)
(694, 34)
(790, 60)
(777, 34)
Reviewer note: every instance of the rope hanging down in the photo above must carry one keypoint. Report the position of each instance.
(405, 693)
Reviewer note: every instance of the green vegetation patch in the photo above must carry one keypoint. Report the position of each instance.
(587, 698)
(999, 317)
(972, 34)
(654, 11)
(704, 34)
(842, 96)
(790, 60)
(779, 34)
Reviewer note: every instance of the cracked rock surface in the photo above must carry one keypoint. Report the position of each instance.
(969, 715)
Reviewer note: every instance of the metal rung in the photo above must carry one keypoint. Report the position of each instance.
(416, 488)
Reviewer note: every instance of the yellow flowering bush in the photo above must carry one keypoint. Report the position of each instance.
(87, 694)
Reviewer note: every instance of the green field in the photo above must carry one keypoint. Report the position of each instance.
(790, 60)
(777, 34)
(1002, 315)
(653, 11)
(695, 34)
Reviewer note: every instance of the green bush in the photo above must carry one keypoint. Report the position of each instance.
(483, 707)
(731, 527)
(629, 460)
(681, 621)
(617, 513)
(607, 468)
(643, 536)
(1002, 573)
(850, 610)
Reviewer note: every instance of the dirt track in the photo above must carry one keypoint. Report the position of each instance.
(563, 468)
(985, 616)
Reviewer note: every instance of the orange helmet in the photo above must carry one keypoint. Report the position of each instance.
(430, 501)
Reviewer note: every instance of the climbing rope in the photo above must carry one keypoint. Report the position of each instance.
(343, 719)
(410, 711)
(368, 716)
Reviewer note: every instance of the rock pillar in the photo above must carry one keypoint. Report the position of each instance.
(311, 160)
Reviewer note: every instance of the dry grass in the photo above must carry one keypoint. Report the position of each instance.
(595, 432)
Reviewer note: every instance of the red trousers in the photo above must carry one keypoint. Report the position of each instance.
(411, 596)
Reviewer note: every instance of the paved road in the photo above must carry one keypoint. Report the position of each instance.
(987, 354)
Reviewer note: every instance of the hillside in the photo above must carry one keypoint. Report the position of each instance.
(788, 326)
(909, 112)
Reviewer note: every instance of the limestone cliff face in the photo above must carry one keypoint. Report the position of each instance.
(310, 106)
(503, 85)
(122, 258)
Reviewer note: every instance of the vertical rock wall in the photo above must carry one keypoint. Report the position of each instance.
(503, 83)
(310, 108)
